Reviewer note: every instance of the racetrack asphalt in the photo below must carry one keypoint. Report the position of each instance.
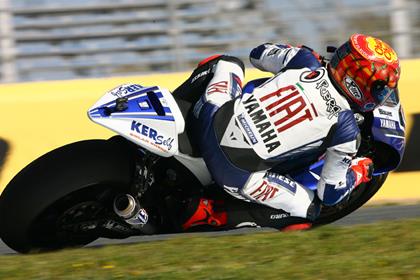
(364, 215)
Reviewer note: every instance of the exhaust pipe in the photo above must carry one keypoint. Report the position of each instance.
(128, 208)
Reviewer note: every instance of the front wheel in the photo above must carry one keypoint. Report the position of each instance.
(357, 198)
(53, 201)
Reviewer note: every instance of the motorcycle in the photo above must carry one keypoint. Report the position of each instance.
(137, 182)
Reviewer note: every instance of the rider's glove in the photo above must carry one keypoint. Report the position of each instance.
(362, 170)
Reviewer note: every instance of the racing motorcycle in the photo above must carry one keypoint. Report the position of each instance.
(137, 182)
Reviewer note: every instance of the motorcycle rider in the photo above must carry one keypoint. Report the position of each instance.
(252, 138)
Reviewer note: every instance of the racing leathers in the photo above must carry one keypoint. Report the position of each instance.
(252, 139)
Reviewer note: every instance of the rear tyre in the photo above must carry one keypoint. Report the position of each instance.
(66, 187)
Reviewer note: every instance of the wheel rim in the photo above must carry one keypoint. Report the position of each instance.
(357, 198)
(73, 219)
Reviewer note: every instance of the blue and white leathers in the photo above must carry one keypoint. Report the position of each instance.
(247, 140)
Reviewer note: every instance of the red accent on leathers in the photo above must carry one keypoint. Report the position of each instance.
(210, 58)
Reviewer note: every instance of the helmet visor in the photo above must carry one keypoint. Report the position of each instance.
(393, 99)
(381, 94)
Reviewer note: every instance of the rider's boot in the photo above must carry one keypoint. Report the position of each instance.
(201, 212)
(234, 213)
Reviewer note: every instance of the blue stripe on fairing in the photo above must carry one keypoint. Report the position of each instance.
(159, 94)
(133, 106)
(220, 167)
(155, 117)
(98, 111)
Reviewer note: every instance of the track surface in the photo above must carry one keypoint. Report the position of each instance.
(364, 215)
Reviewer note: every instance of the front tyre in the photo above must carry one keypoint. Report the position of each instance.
(45, 203)
(357, 198)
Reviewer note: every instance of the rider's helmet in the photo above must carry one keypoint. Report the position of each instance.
(366, 70)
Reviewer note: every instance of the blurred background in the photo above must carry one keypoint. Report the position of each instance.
(113, 42)
(61, 39)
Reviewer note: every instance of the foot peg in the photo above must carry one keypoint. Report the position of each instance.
(128, 208)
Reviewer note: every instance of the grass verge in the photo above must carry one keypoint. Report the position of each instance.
(387, 250)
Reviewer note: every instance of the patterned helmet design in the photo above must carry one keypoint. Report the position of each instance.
(367, 71)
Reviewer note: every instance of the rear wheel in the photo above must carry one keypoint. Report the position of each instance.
(58, 200)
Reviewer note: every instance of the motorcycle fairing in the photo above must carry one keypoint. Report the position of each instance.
(389, 127)
(147, 116)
